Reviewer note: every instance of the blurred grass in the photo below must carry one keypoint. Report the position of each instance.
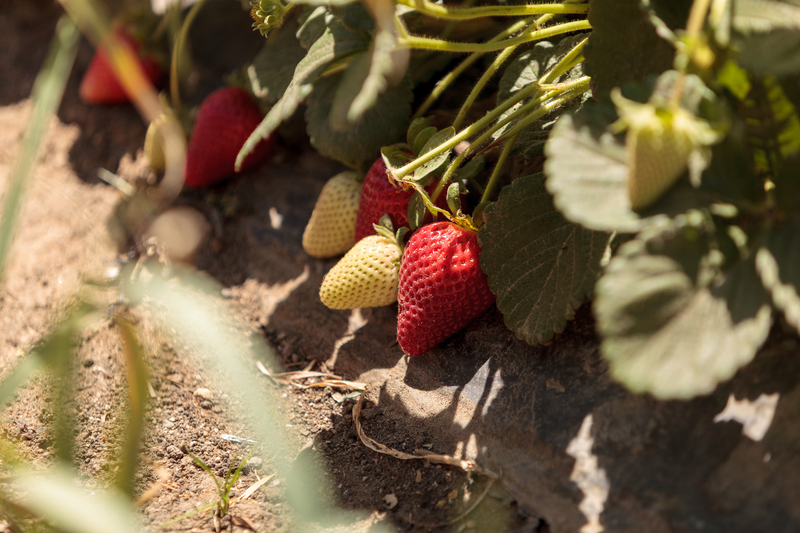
(47, 92)
(187, 303)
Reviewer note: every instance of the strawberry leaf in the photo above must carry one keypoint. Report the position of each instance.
(335, 43)
(381, 125)
(586, 171)
(778, 264)
(527, 68)
(273, 68)
(540, 266)
(313, 23)
(611, 59)
(416, 127)
(435, 141)
(670, 325)
(366, 78)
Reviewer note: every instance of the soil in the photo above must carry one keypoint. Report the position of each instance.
(62, 238)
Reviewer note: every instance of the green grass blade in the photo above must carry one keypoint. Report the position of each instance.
(47, 92)
(137, 397)
(53, 496)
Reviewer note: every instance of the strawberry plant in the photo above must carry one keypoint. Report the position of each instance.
(669, 185)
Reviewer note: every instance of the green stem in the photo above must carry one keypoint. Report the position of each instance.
(487, 75)
(697, 18)
(435, 10)
(177, 53)
(535, 109)
(445, 82)
(561, 67)
(453, 24)
(425, 43)
(488, 192)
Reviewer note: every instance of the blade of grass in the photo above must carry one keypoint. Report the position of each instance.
(47, 92)
(53, 496)
(137, 397)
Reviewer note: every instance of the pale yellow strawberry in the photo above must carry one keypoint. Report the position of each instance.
(367, 276)
(331, 229)
(658, 144)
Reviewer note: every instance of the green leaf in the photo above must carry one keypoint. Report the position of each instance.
(623, 45)
(435, 141)
(762, 16)
(730, 175)
(778, 264)
(673, 13)
(379, 126)
(587, 174)
(416, 211)
(776, 52)
(354, 15)
(787, 185)
(313, 23)
(335, 43)
(453, 198)
(422, 139)
(273, 68)
(541, 266)
(416, 127)
(527, 68)
(669, 326)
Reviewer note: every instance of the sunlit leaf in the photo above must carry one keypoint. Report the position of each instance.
(335, 43)
(587, 173)
(666, 327)
(313, 23)
(761, 16)
(541, 266)
(273, 68)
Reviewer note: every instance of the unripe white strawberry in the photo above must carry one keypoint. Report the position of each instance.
(658, 144)
(367, 276)
(331, 229)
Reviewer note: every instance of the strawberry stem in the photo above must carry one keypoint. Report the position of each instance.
(448, 79)
(492, 69)
(488, 193)
(439, 11)
(177, 54)
(425, 43)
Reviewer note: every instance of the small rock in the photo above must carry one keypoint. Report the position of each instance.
(390, 500)
(204, 393)
(174, 452)
(168, 424)
(205, 404)
(255, 463)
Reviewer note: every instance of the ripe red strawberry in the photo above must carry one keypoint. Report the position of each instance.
(100, 84)
(330, 230)
(379, 197)
(225, 120)
(442, 287)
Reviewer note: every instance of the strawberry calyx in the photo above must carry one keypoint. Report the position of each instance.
(385, 229)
